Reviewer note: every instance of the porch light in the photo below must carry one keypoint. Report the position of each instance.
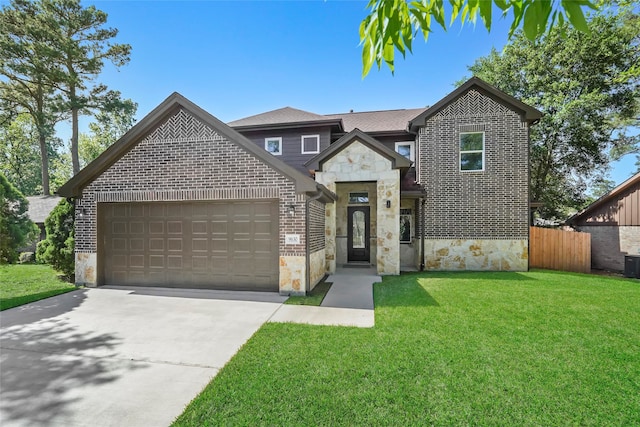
(292, 210)
(388, 204)
(82, 213)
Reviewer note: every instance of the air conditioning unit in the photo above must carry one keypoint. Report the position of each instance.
(632, 266)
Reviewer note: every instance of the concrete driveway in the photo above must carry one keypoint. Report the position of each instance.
(119, 357)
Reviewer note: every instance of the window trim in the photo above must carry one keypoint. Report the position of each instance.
(412, 144)
(317, 150)
(410, 215)
(461, 152)
(273, 138)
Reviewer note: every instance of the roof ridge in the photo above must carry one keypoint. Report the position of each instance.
(377, 111)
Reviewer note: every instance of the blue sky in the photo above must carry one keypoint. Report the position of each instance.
(237, 58)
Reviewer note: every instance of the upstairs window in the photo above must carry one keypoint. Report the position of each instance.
(406, 149)
(273, 145)
(310, 144)
(472, 151)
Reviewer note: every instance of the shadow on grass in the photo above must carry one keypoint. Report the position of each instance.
(474, 275)
(7, 303)
(402, 291)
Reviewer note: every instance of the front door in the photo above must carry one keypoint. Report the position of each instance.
(358, 234)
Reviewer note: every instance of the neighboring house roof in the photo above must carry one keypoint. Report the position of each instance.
(282, 117)
(41, 206)
(611, 198)
(378, 121)
(161, 113)
(397, 160)
(528, 113)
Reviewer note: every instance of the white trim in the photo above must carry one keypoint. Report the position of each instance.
(273, 138)
(317, 150)
(460, 152)
(412, 145)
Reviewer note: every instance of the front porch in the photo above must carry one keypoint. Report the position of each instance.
(363, 226)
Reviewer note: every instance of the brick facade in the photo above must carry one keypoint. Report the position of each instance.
(610, 244)
(316, 226)
(186, 160)
(492, 204)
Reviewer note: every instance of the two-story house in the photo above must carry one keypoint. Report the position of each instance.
(277, 200)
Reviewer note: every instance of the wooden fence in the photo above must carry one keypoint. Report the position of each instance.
(559, 250)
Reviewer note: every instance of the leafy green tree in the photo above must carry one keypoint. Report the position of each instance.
(16, 228)
(108, 127)
(393, 24)
(28, 69)
(586, 85)
(20, 155)
(83, 45)
(58, 248)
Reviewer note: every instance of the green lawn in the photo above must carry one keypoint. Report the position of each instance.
(540, 348)
(25, 283)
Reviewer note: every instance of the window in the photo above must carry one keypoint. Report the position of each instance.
(273, 145)
(472, 151)
(358, 198)
(310, 144)
(406, 149)
(405, 225)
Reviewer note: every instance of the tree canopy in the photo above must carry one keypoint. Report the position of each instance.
(587, 86)
(53, 52)
(393, 24)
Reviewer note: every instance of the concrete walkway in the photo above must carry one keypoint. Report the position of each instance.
(349, 302)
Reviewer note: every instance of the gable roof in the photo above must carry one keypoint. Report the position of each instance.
(41, 206)
(282, 117)
(159, 115)
(609, 197)
(528, 113)
(378, 121)
(397, 160)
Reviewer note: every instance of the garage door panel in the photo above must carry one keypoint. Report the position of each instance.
(215, 245)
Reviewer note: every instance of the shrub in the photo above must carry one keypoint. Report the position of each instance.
(26, 257)
(58, 248)
(15, 226)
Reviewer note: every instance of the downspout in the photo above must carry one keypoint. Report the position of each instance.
(422, 206)
(307, 203)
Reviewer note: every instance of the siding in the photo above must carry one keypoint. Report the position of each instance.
(492, 204)
(291, 143)
(622, 209)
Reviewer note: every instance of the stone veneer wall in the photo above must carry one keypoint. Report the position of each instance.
(356, 162)
(184, 159)
(476, 254)
(317, 267)
(610, 243)
(476, 207)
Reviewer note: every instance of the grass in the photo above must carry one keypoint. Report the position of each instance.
(535, 348)
(314, 297)
(24, 283)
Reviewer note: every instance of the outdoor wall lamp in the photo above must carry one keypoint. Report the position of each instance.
(82, 212)
(388, 204)
(292, 210)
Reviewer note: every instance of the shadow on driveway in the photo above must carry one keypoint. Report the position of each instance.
(44, 356)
